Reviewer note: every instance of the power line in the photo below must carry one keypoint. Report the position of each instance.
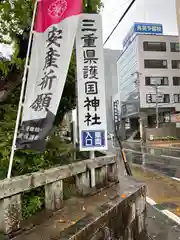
(124, 14)
(117, 9)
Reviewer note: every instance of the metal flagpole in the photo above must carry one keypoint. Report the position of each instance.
(11, 2)
(22, 92)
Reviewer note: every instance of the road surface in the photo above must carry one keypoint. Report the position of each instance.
(164, 160)
(159, 169)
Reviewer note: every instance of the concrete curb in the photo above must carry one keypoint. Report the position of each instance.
(176, 179)
(166, 212)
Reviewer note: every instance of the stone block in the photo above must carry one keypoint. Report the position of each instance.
(10, 214)
(54, 195)
(133, 212)
(93, 178)
(112, 172)
(101, 176)
(141, 222)
(140, 204)
(111, 220)
(83, 183)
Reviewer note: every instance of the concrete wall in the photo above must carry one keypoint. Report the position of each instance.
(122, 216)
(89, 174)
(162, 132)
(118, 219)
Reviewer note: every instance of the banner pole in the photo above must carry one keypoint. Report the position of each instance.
(22, 93)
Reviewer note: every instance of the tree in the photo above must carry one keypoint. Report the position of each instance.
(14, 29)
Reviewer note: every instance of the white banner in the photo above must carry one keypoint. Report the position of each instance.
(91, 84)
(55, 30)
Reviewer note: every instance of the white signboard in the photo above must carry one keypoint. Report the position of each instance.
(91, 84)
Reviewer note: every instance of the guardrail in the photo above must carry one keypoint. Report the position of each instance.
(89, 175)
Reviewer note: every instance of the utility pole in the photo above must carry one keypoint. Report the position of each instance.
(157, 109)
(141, 120)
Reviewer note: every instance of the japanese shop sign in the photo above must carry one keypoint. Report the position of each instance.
(55, 30)
(149, 28)
(91, 84)
(116, 111)
(142, 28)
(175, 118)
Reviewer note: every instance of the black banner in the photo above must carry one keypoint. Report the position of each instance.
(32, 134)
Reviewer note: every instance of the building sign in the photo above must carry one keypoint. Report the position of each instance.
(91, 84)
(55, 30)
(116, 113)
(142, 28)
(152, 98)
(148, 28)
(175, 118)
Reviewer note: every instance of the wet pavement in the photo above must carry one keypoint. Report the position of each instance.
(160, 227)
(159, 168)
(165, 161)
(155, 150)
(162, 189)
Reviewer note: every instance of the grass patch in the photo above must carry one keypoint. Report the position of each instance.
(33, 202)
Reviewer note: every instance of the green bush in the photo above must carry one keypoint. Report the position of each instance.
(167, 138)
(32, 202)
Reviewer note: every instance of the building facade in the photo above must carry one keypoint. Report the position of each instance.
(111, 83)
(149, 78)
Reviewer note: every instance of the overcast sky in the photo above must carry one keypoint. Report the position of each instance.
(155, 11)
(151, 11)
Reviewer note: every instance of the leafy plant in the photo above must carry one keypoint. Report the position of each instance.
(167, 138)
(32, 202)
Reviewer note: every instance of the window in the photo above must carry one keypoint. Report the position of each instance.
(152, 81)
(155, 46)
(166, 117)
(175, 47)
(155, 63)
(175, 64)
(166, 98)
(176, 81)
(177, 98)
(151, 98)
(127, 124)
